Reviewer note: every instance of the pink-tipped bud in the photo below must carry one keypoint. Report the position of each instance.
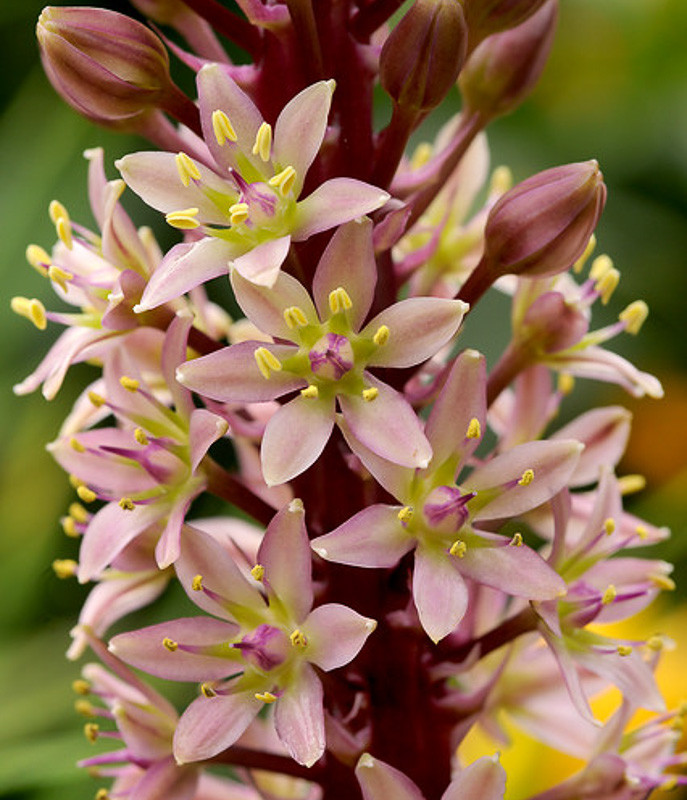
(424, 53)
(486, 17)
(504, 69)
(105, 65)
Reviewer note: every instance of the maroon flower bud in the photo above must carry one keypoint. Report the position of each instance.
(486, 17)
(424, 53)
(504, 69)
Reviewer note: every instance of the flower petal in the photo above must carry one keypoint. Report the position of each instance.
(166, 779)
(439, 592)
(205, 429)
(335, 635)
(299, 717)
(262, 264)
(484, 778)
(380, 781)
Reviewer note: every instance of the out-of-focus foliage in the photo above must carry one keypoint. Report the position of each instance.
(615, 89)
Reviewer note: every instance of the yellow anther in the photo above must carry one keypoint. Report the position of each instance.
(283, 180)
(57, 211)
(527, 477)
(566, 383)
(381, 336)
(474, 430)
(624, 649)
(298, 639)
(102, 794)
(64, 567)
(222, 128)
(609, 526)
(64, 231)
(184, 219)
(258, 572)
(263, 142)
(266, 697)
(141, 437)
(74, 482)
(406, 514)
(631, 484)
(267, 362)
(38, 258)
(86, 495)
(238, 213)
(600, 266)
(81, 686)
(517, 540)
(641, 531)
(69, 526)
(75, 444)
(634, 316)
(207, 690)
(127, 504)
(59, 276)
(655, 643)
(31, 309)
(91, 731)
(609, 595)
(458, 548)
(187, 169)
(130, 384)
(294, 317)
(501, 180)
(607, 284)
(421, 155)
(97, 399)
(310, 392)
(588, 250)
(197, 583)
(669, 784)
(370, 394)
(84, 708)
(170, 644)
(339, 300)
(663, 582)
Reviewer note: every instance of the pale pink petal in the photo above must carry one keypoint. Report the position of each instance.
(604, 433)
(232, 375)
(186, 266)
(289, 577)
(571, 676)
(439, 592)
(169, 544)
(334, 202)
(380, 781)
(348, 261)
(552, 464)
(374, 537)
(335, 635)
(484, 779)
(294, 438)
(174, 349)
(205, 429)
(299, 717)
(602, 365)
(144, 649)
(418, 328)
(387, 425)
(166, 780)
(462, 399)
(264, 306)
(300, 128)
(262, 264)
(211, 724)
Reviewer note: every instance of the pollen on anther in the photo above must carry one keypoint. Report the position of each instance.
(130, 384)
(310, 392)
(600, 266)
(294, 317)
(662, 582)
(370, 394)
(631, 484)
(30, 309)
(222, 127)
(339, 300)
(566, 383)
(170, 644)
(634, 316)
(641, 531)
(298, 638)
(609, 526)
(474, 430)
(91, 731)
(517, 540)
(84, 708)
(59, 276)
(76, 445)
(69, 527)
(609, 595)
(64, 568)
(85, 494)
(141, 437)
(624, 649)
(263, 142)
(81, 686)
(458, 548)
(258, 572)
(283, 180)
(381, 336)
(102, 794)
(266, 697)
(406, 514)
(207, 690)
(527, 477)
(38, 258)
(186, 168)
(126, 504)
(197, 583)
(238, 213)
(267, 362)
(96, 399)
(184, 219)
(588, 250)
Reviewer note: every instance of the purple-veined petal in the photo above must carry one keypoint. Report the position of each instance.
(166, 780)
(418, 328)
(348, 261)
(335, 635)
(439, 592)
(205, 429)
(145, 650)
(232, 375)
(514, 569)
(300, 128)
(380, 781)
(211, 724)
(299, 717)
(484, 779)
(462, 399)
(604, 433)
(289, 577)
(186, 266)
(334, 202)
(264, 306)
(387, 425)
(374, 537)
(262, 264)
(515, 489)
(294, 438)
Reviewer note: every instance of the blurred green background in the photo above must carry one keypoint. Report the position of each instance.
(615, 89)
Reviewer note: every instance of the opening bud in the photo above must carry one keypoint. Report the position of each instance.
(486, 17)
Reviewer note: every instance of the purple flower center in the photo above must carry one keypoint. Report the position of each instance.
(445, 509)
(266, 647)
(331, 357)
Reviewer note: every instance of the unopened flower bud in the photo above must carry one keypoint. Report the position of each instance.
(504, 69)
(424, 53)
(486, 17)
(550, 324)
